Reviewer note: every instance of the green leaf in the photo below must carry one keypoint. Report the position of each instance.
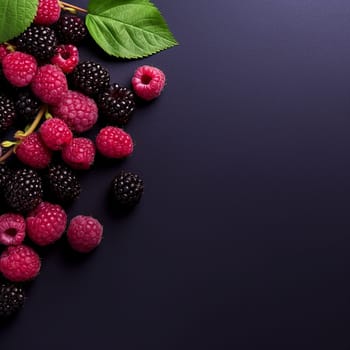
(15, 17)
(128, 28)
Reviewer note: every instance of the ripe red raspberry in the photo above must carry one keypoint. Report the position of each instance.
(19, 68)
(113, 142)
(12, 229)
(148, 82)
(84, 233)
(4, 51)
(48, 12)
(49, 84)
(46, 223)
(66, 57)
(55, 134)
(19, 263)
(77, 110)
(33, 152)
(80, 153)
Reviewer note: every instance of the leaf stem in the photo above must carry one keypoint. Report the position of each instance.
(70, 6)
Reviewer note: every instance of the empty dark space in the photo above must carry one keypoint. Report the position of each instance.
(242, 238)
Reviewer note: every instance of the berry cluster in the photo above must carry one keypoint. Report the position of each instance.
(46, 90)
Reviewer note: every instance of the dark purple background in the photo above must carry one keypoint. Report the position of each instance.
(242, 239)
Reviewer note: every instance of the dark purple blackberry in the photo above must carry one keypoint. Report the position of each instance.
(90, 78)
(27, 106)
(70, 29)
(62, 183)
(116, 104)
(12, 298)
(5, 173)
(127, 189)
(24, 192)
(7, 112)
(39, 41)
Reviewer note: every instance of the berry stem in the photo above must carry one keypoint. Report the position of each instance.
(21, 134)
(7, 154)
(65, 5)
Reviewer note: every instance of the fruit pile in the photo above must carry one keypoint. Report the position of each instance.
(46, 90)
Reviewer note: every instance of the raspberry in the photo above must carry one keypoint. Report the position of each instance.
(4, 51)
(62, 183)
(80, 153)
(39, 41)
(66, 57)
(78, 111)
(148, 82)
(49, 84)
(12, 229)
(90, 78)
(33, 152)
(23, 191)
(27, 106)
(113, 142)
(70, 29)
(55, 134)
(46, 223)
(84, 233)
(12, 299)
(19, 263)
(116, 104)
(7, 112)
(48, 12)
(19, 68)
(127, 189)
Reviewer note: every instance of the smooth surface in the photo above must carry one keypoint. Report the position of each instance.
(242, 238)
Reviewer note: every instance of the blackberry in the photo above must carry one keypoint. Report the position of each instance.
(116, 104)
(70, 29)
(4, 173)
(27, 106)
(7, 112)
(12, 298)
(23, 192)
(127, 189)
(62, 183)
(90, 78)
(39, 41)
